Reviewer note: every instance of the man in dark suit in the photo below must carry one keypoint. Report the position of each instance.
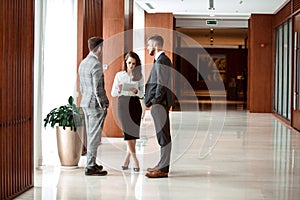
(158, 95)
(94, 103)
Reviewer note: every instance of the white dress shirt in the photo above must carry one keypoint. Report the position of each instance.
(123, 77)
(158, 54)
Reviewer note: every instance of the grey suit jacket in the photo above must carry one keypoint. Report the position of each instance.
(159, 85)
(92, 83)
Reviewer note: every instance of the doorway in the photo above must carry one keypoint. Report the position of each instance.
(214, 63)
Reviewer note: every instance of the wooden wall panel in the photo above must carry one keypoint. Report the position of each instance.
(249, 64)
(113, 33)
(106, 18)
(128, 25)
(90, 14)
(282, 14)
(16, 100)
(260, 69)
(297, 23)
(162, 24)
(296, 5)
(89, 23)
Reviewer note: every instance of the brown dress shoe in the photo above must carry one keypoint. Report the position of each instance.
(157, 174)
(152, 169)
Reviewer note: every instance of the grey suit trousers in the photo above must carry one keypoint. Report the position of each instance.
(94, 121)
(160, 114)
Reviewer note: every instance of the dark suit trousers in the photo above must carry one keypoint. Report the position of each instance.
(160, 114)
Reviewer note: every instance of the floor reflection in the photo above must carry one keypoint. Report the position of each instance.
(248, 156)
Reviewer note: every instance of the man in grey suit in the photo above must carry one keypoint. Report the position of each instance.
(94, 103)
(158, 95)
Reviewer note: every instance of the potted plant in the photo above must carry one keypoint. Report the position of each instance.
(68, 120)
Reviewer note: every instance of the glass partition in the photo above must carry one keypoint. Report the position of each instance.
(283, 65)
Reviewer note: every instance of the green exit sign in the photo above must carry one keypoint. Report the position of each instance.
(211, 22)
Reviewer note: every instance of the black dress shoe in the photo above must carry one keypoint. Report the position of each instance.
(99, 167)
(94, 172)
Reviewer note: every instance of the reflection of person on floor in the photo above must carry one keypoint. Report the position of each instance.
(128, 86)
(158, 95)
(130, 181)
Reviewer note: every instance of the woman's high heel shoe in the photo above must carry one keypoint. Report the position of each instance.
(124, 167)
(136, 169)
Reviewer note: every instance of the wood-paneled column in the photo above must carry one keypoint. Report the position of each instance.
(113, 34)
(260, 70)
(105, 18)
(162, 24)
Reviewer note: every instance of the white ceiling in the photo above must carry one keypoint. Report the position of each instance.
(231, 15)
(222, 8)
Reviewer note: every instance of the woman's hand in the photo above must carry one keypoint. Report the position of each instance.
(134, 90)
(120, 88)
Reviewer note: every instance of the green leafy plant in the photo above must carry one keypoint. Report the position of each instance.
(68, 115)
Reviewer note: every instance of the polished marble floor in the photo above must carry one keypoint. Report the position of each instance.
(224, 155)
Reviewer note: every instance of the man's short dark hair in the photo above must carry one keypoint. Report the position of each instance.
(158, 39)
(94, 42)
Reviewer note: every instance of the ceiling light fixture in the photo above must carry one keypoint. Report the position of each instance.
(211, 5)
(149, 5)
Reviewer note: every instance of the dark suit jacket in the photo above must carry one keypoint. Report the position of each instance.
(159, 84)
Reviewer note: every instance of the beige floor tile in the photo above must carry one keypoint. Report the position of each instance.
(215, 155)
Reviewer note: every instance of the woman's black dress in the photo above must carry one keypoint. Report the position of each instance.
(130, 113)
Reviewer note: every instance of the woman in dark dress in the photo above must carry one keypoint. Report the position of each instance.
(128, 86)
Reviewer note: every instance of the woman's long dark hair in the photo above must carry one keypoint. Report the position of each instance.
(137, 71)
